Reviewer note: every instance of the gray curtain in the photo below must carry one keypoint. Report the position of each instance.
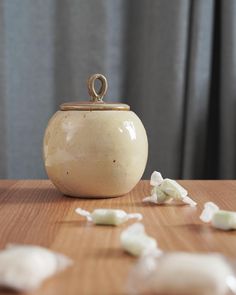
(174, 62)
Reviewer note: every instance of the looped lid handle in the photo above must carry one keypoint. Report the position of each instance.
(97, 96)
(96, 103)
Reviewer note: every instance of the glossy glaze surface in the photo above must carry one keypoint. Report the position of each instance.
(95, 153)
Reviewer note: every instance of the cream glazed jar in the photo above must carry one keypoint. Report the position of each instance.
(95, 149)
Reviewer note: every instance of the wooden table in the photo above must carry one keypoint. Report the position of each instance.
(34, 212)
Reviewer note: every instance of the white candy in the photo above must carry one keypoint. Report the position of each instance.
(209, 210)
(182, 274)
(173, 189)
(135, 241)
(166, 190)
(221, 219)
(225, 220)
(157, 196)
(156, 178)
(108, 216)
(24, 268)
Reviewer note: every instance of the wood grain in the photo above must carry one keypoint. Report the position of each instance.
(34, 212)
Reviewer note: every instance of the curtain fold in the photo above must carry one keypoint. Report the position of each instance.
(227, 91)
(197, 83)
(157, 56)
(3, 158)
(174, 62)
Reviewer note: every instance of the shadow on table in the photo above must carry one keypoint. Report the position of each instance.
(5, 291)
(101, 253)
(33, 195)
(147, 204)
(197, 228)
(75, 223)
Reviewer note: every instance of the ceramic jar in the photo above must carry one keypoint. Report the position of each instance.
(95, 149)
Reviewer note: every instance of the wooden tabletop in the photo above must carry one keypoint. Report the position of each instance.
(34, 212)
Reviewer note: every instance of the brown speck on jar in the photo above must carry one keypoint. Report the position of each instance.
(114, 161)
(67, 172)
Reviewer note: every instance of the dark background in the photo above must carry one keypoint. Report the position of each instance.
(174, 62)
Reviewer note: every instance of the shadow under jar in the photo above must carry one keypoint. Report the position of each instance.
(95, 149)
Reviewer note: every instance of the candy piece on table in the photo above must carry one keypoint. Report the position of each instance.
(187, 200)
(225, 220)
(221, 219)
(157, 196)
(135, 241)
(165, 190)
(24, 267)
(176, 191)
(108, 216)
(182, 273)
(209, 210)
(156, 178)
(173, 189)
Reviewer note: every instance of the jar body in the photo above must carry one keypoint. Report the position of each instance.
(95, 153)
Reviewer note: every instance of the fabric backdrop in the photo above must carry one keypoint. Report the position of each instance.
(174, 62)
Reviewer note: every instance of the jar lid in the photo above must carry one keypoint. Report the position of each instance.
(96, 102)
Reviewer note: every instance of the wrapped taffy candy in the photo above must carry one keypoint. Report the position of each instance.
(135, 241)
(23, 267)
(221, 219)
(108, 216)
(182, 273)
(167, 190)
